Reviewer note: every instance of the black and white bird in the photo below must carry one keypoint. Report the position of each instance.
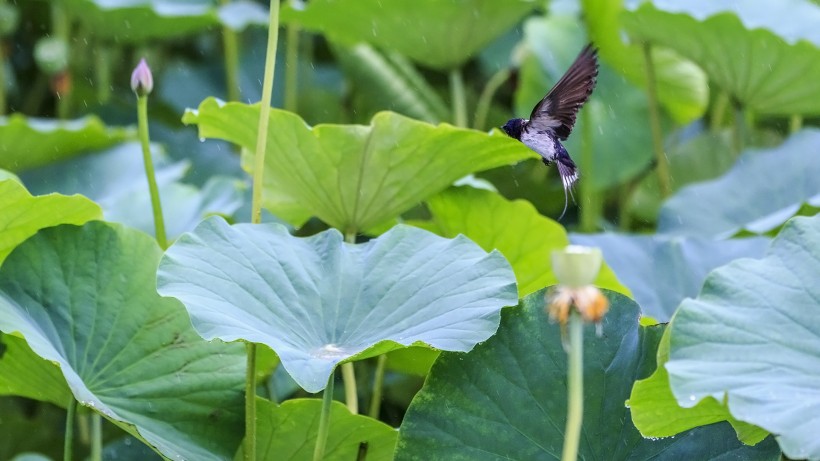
(553, 117)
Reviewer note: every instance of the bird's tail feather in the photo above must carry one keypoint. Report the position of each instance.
(569, 174)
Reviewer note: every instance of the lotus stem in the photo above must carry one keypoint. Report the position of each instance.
(264, 113)
(459, 100)
(256, 214)
(292, 67)
(61, 28)
(590, 210)
(153, 189)
(795, 123)
(250, 403)
(739, 129)
(324, 421)
(486, 97)
(351, 391)
(102, 72)
(96, 437)
(575, 387)
(230, 47)
(378, 384)
(664, 177)
(68, 443)
(3, 104)
(719, 112)
(348, 372)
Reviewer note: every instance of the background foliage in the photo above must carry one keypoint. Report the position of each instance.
(699, 150)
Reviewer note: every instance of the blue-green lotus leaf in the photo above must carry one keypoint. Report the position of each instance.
(752, 339)
(662, 271)
(759, 193)
(318, 301)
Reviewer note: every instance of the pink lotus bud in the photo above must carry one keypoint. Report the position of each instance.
(142, 82)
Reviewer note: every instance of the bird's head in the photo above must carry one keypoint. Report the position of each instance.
(513, 127)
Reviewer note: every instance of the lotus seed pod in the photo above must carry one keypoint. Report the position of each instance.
(576, 266)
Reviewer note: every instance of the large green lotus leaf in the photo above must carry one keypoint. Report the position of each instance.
(389, 79)
(132, 21)
(681, 85)
(318, 301)
(287, 432)
(764, 189)
(442, 34)
(22, 215)
(662, 271)
(752, 337)
(507, 398)
(514, 228)
(30, 142)
(765, 54)
(354, 177)
(613, 121)
(84, 299)
(656, 412)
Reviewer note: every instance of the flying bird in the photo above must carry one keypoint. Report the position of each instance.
(553, 117)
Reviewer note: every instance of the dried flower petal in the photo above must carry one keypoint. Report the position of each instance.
(559, 303)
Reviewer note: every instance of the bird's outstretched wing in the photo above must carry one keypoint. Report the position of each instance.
(559, 107)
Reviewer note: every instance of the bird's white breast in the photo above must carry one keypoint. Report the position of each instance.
(539, 142)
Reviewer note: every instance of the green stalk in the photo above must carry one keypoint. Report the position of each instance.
(664, 177)
(250, 403)
(590, 211)
(624, 216)
(348, 372)
(264, 113)
(142, 127)
(575, 387)
(739, 131)
(68, 443)
(719, 112)
(256, 214)
(230, 46)
(459, 100)
(486, 97)
(351, 392)
(795, 123)
(378, 384)
(102, 72)
(292, 68)
(3, 107)
(96, 437)
(61, 28)
(324, 421)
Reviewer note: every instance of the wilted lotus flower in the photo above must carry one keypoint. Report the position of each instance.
(142, 82)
